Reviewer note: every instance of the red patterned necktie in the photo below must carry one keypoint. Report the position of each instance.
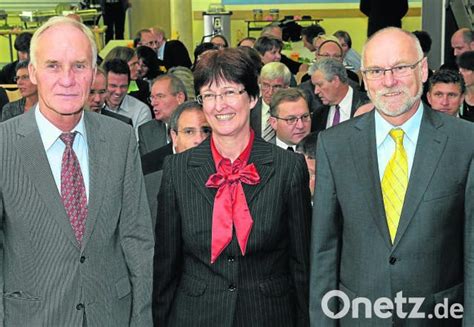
(73, 191)
(230, 205)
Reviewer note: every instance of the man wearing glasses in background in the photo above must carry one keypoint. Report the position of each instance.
(273, 77)
(188, 128)
(340, 100)
(390, 223)
(290, 117)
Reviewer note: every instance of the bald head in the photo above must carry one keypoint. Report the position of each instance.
(394, 79)
(462, 41)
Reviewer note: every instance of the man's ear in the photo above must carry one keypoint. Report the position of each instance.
(273, 122)
(180, 97)
(32, 73)
(173, 136)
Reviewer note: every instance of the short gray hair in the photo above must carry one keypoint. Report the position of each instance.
(286, 95)
(419, 50)
(331, 67)
(274, 70)
(185, 106)
(61, 20)
(176, 85)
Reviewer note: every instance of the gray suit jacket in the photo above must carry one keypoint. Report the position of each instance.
(151, 136)
(351, 248)
(46, 278)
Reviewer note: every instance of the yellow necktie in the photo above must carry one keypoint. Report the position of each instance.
(395, 182)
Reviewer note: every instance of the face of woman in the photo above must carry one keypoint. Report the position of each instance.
(226, 106)
(142, 68)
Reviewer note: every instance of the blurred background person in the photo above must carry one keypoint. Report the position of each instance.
(28, 91)
(446, 91)
(113, 13)
(22, 47)
(219, 41)
(351, 59)
(466, 67)
(148, 64)
(307, 147)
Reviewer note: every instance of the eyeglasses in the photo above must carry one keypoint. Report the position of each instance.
(190, 132)
(21, 78)
(328, 55)
(267, 87)
(159, 96)
(292, 120)
(100, 92)
(210, 98)
(397, 71)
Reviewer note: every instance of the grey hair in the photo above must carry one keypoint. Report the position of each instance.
(274, 70)
(61, 20)
(331, 67)
(185, 106)
(419, 50)
(176, 85)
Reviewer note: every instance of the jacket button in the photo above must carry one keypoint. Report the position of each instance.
(82, 259)
(232, 288)
(230, 259)
(80, 306)
(392, 260)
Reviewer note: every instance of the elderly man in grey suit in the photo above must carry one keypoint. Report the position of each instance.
(393, 213)
(76, 237)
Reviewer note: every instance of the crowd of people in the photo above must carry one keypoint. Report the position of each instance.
(239, 189)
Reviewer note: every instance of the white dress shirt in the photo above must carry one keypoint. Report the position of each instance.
(344, 109)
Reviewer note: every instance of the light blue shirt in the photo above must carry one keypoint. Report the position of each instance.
(161, 51)
(386, 145)
(54, 147)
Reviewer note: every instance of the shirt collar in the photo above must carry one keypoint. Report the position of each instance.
(411, 127)
(346, 101)
(122, 107)
(50, 133)
(241, 161)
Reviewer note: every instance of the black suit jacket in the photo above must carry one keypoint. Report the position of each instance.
(266, 287)
(256, 117)
(152, 165)
(320, 116)
(176, 54)
(383, 13)
(151, 136)
(120, 117)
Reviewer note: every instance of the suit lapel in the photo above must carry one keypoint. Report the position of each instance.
(35, 163)
(200, 167)
(364, 151)
(430, 146)
(261, 157)
(98, 154)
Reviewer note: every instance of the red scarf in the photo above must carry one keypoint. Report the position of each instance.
(230, 205)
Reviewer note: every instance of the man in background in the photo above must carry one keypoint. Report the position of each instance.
(188, 128)
(446, 91)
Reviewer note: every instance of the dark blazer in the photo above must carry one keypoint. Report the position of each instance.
(152, 165)
(256, 117)
(115, 115)
(13, 109)
(266, 287)
(320, 116)
(151, 136)
(176, 54)
(382, 14)
(47, 278)
(433, 252)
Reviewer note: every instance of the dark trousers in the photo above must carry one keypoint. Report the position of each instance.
(114, 18)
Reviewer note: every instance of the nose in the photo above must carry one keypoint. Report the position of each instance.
(388, 79)
(444, 100)
(299, 124)
(67, 77)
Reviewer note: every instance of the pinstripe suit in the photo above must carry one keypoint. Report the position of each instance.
(266, 287)
(46, 278)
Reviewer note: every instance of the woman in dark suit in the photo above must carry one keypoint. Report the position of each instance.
(232, 231)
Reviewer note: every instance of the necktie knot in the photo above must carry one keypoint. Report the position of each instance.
(397, 135)
(68, 138)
